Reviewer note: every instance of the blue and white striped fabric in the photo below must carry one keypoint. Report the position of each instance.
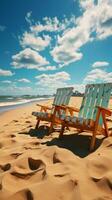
(71, 119)
(40, 114)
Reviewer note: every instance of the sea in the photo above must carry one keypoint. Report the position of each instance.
(12, 102)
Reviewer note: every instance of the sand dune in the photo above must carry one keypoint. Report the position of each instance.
(45, 168)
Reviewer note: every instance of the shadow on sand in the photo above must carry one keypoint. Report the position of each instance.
(77, 143)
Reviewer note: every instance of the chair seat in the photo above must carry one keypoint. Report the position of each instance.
(74, 120)
(41, 114)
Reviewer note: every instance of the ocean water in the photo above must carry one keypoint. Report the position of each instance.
(12, 102)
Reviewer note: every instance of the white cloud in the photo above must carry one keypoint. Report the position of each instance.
(53, 81)
(65, 55)
(7, 81)
(100, 64)
(35, 42)
(52, 24)
(95, 23)
(14, 90)
(6, 73)
(29, 59)
(24, 80)
(2, 28)
(46, 68)
(28, 17)
(86, 4)
(98, 75)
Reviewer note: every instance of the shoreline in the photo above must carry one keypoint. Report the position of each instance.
(7, 108)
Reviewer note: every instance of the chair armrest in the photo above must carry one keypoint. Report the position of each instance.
(44, 107)
(105, 110)
(72, 108)
(65, 107)
(59, 107)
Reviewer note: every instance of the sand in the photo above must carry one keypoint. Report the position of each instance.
(35, 166)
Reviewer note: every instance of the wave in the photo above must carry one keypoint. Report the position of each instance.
(20, 101)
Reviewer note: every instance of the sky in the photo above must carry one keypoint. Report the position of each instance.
(46, 44)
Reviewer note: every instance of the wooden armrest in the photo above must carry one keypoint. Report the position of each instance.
(105, 110)
(72, 108)
(46, 107)
(65, 107)
(60, 107)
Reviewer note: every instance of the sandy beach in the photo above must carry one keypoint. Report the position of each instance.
(35, 166)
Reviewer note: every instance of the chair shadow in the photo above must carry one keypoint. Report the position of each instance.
(41, 132)
(77, 144)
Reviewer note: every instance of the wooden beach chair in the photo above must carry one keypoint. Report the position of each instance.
(92, 113)
(62, 98)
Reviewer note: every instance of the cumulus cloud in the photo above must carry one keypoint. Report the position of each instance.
(53, 81)
(35, 42)
(29, 59)
(64, 55)
(86, 4)
(24, 80)
(46, 68)
(98, 75)
(100, 64)
(95, 23)
(52, 24)
(15, 90)
(6, 73)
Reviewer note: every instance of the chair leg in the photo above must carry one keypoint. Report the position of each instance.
(105, 125)
(37, 124)
(93, 140)
(62, 131)
(51, 128)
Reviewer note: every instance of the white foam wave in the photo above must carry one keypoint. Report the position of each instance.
(22, 101)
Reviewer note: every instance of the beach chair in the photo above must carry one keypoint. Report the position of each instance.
(93, 112)
(62, 98)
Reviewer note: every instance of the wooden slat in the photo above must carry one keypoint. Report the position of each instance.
(83, 102)
(95, 95)
(92, 104)
(98, 100)
(63, 96)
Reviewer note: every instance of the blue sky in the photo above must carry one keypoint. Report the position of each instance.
(46, 44)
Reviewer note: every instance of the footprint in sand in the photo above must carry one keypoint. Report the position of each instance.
(27, 121)
(1, 145)
(23, 193)
(56, 159)
(34, 167)
(12, 136)
(16, 155)
(36, 164)
(15, 120)
(5, 167)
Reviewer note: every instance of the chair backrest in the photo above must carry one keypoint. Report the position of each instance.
(95, 95)
(63, 95)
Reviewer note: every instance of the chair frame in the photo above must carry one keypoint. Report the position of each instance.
(51, 116)
(94, 128)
